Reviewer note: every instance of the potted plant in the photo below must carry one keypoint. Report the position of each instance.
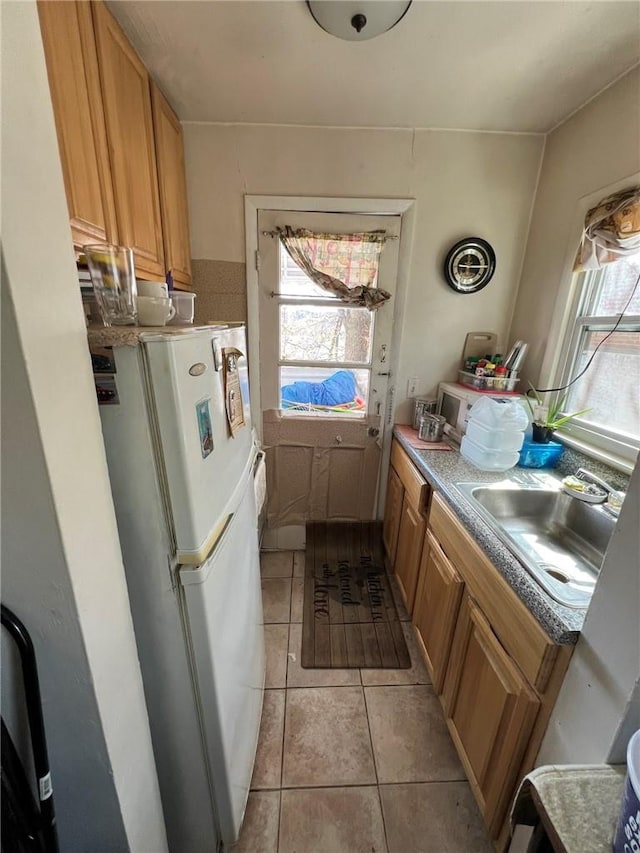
(545, 418)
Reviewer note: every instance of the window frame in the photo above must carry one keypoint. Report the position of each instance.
(609, 444)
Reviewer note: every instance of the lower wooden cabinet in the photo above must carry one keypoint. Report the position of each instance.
(436, 606)
(392, 514)
(496, 670)
(409, 550)
(490, 710)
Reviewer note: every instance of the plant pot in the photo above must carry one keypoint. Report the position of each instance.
(541, 434)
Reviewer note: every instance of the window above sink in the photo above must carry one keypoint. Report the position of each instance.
(609, 388)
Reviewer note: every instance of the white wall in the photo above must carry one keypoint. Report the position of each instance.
(464, 184)
(597, 147)
(598, 691)
(61, 565)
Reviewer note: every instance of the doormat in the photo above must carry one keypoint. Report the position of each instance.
(349, 617)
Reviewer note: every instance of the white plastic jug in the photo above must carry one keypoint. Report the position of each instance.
(506, 415)
(495, 433)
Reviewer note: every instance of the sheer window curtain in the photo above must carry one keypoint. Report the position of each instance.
(345, 265)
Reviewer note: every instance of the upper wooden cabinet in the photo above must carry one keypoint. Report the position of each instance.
(173, 189)
(72, 67)
(127, 105)
(109, 137)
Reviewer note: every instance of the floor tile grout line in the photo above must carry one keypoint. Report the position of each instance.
(327, 787)
(279, 820)
(373, 752)
(362, 785)
(426, 782)
(286, 689)
(384, 823)
(375, 765)
(284, 730)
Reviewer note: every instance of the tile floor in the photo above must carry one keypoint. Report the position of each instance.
(350, 761)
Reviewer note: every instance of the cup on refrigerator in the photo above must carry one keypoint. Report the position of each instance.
(154, 310)
(152, 288)
(114, 282)
(185, 308)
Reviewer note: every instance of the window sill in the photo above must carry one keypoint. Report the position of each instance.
(626, 466)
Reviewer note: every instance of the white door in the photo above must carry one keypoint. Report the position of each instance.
(322, 462)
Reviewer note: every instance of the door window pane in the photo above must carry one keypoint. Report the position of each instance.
(325, 333)
(321, 390)
(295, 283)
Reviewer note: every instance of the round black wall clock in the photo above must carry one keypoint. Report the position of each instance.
(469, 265)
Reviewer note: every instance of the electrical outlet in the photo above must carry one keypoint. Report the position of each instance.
(412, 384)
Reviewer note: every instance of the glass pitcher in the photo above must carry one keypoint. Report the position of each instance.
(114, 282)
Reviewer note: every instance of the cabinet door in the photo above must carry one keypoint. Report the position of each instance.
(173, 188)
(436, 608)
(72, 69)
(490, 711)
(410, 539)
(127, 105)
(392, 513)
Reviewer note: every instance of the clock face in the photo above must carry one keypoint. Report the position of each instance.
(469, 265)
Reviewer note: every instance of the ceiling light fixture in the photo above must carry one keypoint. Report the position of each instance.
(357, 21)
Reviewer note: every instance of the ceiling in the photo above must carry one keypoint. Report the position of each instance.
(496, 66)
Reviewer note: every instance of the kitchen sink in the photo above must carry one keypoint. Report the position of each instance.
(560, 540)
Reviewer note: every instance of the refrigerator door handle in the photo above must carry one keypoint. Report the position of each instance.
(199, 574)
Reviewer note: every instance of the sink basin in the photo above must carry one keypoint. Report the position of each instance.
(560, 540)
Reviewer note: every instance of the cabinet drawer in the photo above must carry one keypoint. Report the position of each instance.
(416, 488)
(519, 632)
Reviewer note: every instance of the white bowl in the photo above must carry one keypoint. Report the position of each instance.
(154, 310)
(487, 459)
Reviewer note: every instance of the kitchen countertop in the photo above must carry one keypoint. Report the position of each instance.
(443, 469)
(130, 336)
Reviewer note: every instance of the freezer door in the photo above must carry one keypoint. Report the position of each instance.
(223, 608)
(203, 462)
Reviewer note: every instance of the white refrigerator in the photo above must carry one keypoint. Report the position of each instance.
(181, 455)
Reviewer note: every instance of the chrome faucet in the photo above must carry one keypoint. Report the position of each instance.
(588, 477)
